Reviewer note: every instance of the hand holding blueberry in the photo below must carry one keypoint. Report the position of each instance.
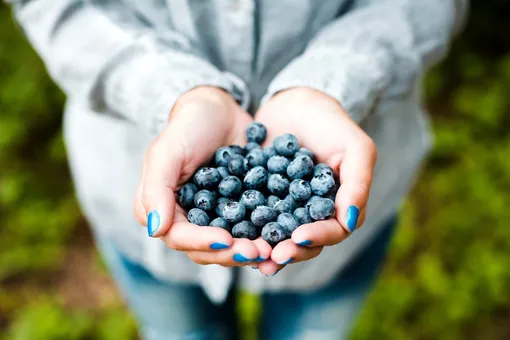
(202, 122)
(322, 126)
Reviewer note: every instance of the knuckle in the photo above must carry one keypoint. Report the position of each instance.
(362, 190)
(197, 259)
(369, 145)
(140, 218)
(170, 242)
(371, 148)
(153, 152)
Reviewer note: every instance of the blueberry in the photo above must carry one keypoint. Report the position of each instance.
(322, 209)
(331, 195)
(322, 184)
(207, 178)
(272, 200)
(293, 203)
(270, 151)
(252, 199)
(220, 203)
(278, 164)
(223, 155)
(286, 145)
(283, 206)
(230, 187)
(255, 158)
(250, 146)
(302, 215)
(300, 167)
(323, 169)
(245, 229)
(236, 149)
(221, 223)
(263, 215)
(256, 133)
(205, 200)
(278, 185)
(186, 195)
(288, 222)
(255, 178)
(223, 172)
(304, 152)
(236, 166)
(233, 212)
(300, 190)
(198, 217)
(311, 200)
(273, 233)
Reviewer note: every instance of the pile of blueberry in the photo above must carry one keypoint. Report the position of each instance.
(252, 191)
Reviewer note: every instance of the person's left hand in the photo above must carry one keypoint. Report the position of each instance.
(322, 126)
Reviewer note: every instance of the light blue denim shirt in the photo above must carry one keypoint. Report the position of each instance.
(124, 63)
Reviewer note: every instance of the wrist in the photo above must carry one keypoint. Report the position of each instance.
(215, 98)
(306, 100)
(305, 94)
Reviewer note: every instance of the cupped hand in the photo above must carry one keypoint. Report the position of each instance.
(322, 126)
(202, 120)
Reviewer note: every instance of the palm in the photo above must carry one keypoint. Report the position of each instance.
(322, 126)
(202, 121)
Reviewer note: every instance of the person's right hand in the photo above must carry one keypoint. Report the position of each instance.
(202, 120)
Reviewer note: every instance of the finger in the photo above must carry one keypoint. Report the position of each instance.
(287, 252)
(185, 236)
(264, 250)
(241, 253)
(140, 213)
(356, 171)
(163, 167)
(269, 268)
(320, 233)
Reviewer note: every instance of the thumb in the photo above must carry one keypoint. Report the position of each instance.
(356, 171)
(163, 164)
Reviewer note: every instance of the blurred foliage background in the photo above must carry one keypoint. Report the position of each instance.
(448, 273)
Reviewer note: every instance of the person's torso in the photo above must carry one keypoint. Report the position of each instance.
(254, 40)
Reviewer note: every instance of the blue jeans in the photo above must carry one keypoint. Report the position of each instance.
(181, 311)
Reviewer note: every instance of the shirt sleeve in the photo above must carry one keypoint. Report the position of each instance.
(115, 63)
(377, 49)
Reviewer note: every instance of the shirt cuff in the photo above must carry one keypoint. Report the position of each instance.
(354, 80)
(146, 87)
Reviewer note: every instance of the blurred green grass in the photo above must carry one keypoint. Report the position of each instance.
(447, 276)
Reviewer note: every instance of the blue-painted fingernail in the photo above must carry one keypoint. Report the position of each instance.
(241, 258)
(219, 246)
(352, 217)
(153, 221)
(260, 259)
(305, 243)
(287, 262)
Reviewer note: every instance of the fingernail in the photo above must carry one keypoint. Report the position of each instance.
(286, 262)
(305, 243)
(352, 217)
(219, 246)
(153, 221)
(276, 272)
(241, 258)
(260, 259)
(254, 267)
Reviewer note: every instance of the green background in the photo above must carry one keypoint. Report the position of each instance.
(448, 272)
